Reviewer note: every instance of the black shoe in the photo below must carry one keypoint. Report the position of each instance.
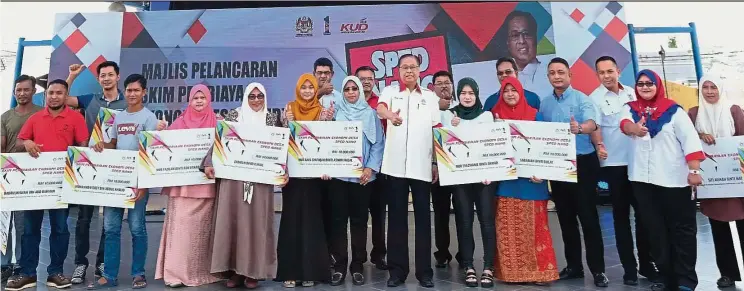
(630, 281)
(600, 280)
(443, 262)
(357, 279)
(724, 282)
(395, 282)
(569, 273)
(658, 287)
(426, 283)
(337, 279)
(380, 264)
(98, 273)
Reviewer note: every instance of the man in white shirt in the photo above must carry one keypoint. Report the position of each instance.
(609, 99)
(411, 112)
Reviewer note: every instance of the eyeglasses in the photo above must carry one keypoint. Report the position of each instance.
(645, 84)
(411, 68)
(350, 89)
(442, 84)
(323, 73)
(254, 97)
(514, 35)
(505, 73)
(366, 79)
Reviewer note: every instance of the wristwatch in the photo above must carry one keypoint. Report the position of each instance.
(695, 172)
(581, 129)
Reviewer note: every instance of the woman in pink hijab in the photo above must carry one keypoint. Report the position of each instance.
(184, 254)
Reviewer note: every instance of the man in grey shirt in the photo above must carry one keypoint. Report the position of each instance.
(108, 77)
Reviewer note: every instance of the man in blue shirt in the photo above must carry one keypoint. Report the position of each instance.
(108, 77)
(507, 67)
(573, 200)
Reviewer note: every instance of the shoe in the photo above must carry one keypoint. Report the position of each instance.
(725, 282)
(58, 281)
(600, 280)
(357, 279)
(658, 287)
(569, 273)
(394, 282)
(426, 283)
(99, 271)
(78, 276)
(443, 262)
(630, 282)
(7, 272)
(650, 272)
(20, 282)
(337, 279)
(380, 264)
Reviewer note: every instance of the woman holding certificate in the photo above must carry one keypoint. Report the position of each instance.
(243, 245)
(184, 252)
(522, 208)
(717, 117)
(469, 112)
(303, 251)
(664, 162)
(350, 196)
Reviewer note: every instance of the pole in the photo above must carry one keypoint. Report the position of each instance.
(633, 51)
(696, 51)
(17, 73)
(662, 54)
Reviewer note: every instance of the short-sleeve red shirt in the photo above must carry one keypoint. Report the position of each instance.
(55, 133)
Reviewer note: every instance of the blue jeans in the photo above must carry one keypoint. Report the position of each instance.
(14, 241)
(59, 240)
(112, 219)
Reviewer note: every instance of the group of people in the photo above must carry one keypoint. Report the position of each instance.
(225, 231)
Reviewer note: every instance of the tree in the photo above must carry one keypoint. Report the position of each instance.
(672, 42)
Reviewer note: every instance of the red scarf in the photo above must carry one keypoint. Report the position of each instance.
(520, 111)
(660, 101)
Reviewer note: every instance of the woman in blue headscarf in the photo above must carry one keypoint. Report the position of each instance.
(350, 196)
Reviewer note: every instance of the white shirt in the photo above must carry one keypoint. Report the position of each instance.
(534, 76)
(662, 160)
(335, 96)
(447, 116)
(610, 106)
(408, 147)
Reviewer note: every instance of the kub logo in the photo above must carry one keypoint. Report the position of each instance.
(327, 28)
(304, 26)
(360, 27)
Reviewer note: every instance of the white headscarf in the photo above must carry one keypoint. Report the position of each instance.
(714, 119)
(246, 113)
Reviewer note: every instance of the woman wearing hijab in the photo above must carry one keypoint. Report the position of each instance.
(469, 112)
(664, 162)
(303, 251)
(350, 196)
(716, 117)
(524, 253)
(243, 244)
(184, 249)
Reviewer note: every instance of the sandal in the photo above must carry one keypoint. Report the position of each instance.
(308, 283)
(175, 285)
(289, 284)
(471, 280)
(250, 283)
(96, 284)
(139, 282)
(235, 281)
(486, 280)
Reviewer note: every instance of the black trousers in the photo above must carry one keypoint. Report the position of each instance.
(377, 212)
(349, 203)
(621, 195)
(441, 198)
(398, 266)
(670, 217)
(579, 200)
(82, 236)
(480, 196)
(325, 208)
(724, 245)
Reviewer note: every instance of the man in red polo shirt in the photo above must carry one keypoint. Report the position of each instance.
(50, 130)
(377, 202)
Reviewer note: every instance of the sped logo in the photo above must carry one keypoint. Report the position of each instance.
(304, 27)
(359, 27)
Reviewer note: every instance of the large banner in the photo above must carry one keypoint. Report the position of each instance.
(722, 169)
(227, 49)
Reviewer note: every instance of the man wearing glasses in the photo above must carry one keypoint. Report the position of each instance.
(507, 67)
(521, 43)
(323, 71)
